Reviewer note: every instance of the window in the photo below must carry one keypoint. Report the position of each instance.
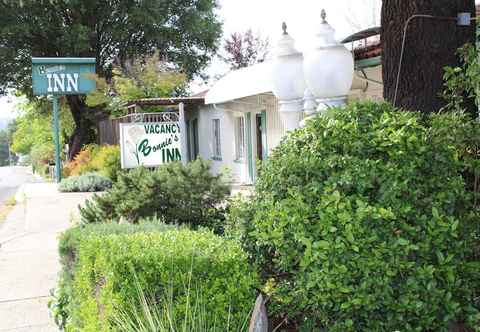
(239, 138)
(217, 152)
(195, 138)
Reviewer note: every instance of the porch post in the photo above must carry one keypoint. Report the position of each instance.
(183, 133)
(248, 129)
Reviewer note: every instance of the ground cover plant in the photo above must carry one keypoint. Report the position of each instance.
(107, 266)
(176, 193)
(88, 182)
(367, 219)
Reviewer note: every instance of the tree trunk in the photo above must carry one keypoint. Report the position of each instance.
(84, 132)
(431, 44)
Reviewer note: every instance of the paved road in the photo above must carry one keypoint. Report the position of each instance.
(11, 178)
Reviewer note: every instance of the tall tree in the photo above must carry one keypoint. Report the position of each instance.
(183, 32)
(430, 45)
(245, 49)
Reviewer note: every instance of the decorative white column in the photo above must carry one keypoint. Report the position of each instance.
(288, 81)
(309, 103)
(183, 133)
(328, 69)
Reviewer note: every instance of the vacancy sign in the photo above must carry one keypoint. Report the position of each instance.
(149, 144)
(63, 76)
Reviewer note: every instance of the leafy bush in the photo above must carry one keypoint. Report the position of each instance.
(69, 244)
(89, 182)
(106, 161)
(81, 164)
(178, 194)
(105, 272)
(366, 219)
(40, 156)
(103, 159)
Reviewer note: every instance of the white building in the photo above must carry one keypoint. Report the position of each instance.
(239, 123)
(239, 120)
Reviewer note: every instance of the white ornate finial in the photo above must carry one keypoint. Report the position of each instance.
(284, 28)
(324, 16)
(309, 105)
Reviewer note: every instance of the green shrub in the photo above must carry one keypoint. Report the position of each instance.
(109, 269)
(40, 156)
(106, 161)
(366, 220)
(88, 182)
(178, 194)
(61, 303)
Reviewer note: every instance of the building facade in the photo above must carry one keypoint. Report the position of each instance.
(239, 123)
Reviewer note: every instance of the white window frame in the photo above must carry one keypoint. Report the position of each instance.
(217, 147)
(240, 145)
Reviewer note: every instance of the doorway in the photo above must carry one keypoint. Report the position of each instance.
(259, 133)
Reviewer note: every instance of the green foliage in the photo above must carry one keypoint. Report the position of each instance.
(104, 272)
(185, 32)
(150, 315)
(4, 148)
(104, 160)
(367, 219)
(33, 136)
(41, 155)
(178, 194)
(145, 78)
(69, 245)
(463, 82)
(88, 182)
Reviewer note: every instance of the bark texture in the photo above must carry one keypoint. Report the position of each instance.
(430, 46)
(84, 124)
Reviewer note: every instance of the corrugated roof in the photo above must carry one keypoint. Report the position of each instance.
(169, 101)
(364, 34)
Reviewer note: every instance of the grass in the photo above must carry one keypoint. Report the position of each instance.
(7, 208)
(158, 316)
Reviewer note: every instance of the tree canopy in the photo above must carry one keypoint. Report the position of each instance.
(140, 78)
(184, 33)
(245, 49)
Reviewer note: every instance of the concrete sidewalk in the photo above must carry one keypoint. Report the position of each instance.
(29, 262)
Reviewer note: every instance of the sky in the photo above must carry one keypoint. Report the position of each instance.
(266, 16)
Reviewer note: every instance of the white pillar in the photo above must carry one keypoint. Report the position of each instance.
(291, 113)
(183, 133)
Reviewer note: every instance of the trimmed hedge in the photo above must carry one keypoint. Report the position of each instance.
(106, 266)
(367, 219)
(89, 182)
(61, 305)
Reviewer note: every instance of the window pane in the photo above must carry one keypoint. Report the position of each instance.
(216, 138)
(239, 137)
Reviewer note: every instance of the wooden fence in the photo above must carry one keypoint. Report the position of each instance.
(109, 129)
